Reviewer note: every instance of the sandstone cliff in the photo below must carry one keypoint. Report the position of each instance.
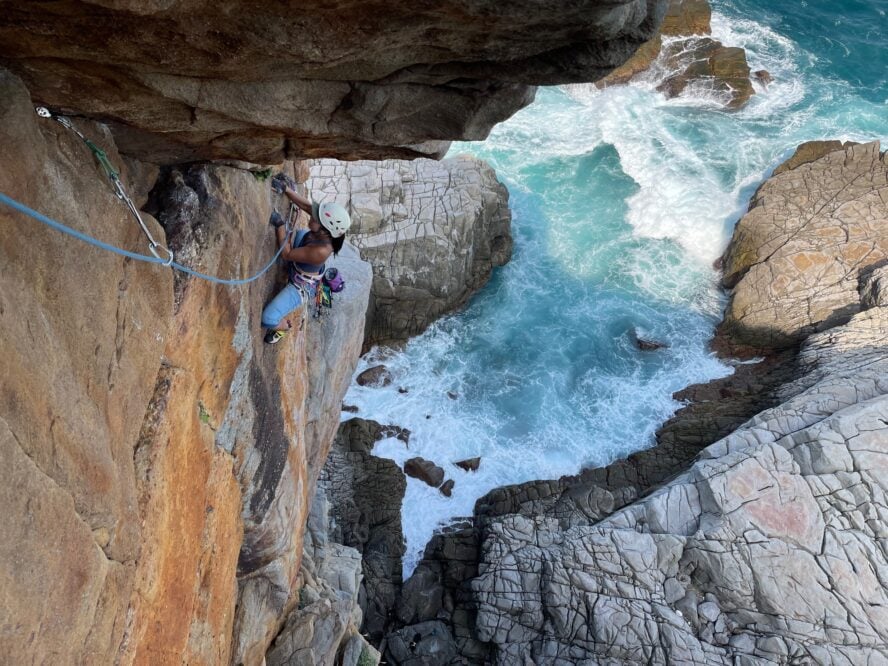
(181, 81)
(159, 459)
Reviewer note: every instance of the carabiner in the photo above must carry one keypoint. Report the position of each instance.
(153, 248)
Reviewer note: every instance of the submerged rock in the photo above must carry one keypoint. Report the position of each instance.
(469, 464)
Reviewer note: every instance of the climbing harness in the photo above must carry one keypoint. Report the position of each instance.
(114, 176)
(153, 246)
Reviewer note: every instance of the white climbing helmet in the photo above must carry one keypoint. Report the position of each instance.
(334, 218)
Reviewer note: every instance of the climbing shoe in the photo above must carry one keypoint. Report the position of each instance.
(276, 220)
(272, 337)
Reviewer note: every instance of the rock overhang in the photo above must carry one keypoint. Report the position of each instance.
(260, 82)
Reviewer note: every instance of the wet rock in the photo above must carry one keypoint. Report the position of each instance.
(424, 470)
(350, 409)
(447, 487)
(378, 375)
(707, 62)
(469, 464)
(399, 433)
(423, 643)
(645, 344)
(763, 76)
(453, 395)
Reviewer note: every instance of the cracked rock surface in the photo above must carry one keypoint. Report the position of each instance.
(433, 232)
(771, 546)
(796, 258)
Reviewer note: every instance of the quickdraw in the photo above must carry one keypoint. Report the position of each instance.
(114, 176)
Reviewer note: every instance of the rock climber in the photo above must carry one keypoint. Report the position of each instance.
(306, 250)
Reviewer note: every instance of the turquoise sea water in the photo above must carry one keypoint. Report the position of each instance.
(621, 202)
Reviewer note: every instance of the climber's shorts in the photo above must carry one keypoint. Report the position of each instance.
(288, 299)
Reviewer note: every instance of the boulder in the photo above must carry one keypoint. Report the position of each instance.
(424, 470)
(433, 232)
(263, 83)
(378, 375)
(447, 487)
(795, 260)
(469, 464)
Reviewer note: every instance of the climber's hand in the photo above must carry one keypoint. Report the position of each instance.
(276, 220)
(280, 182)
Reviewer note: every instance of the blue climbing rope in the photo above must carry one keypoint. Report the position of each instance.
(58, 226)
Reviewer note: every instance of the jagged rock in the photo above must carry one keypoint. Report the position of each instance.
(365, 494)
(378, 375)
(262, 83)
(644, 344)
(424, 470)
(469, 464)
(683, 18)
(723, 69)
(433, 232)
(873, 287)
(399, 433)
(763, 76)
(795, 259)
(420, 644)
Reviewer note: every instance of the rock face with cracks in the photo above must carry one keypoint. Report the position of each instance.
(812, 233)
(433, 232)
(159, 458)
(768, 549)
(183, 81)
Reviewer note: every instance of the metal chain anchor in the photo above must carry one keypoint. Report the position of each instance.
(114, 176)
